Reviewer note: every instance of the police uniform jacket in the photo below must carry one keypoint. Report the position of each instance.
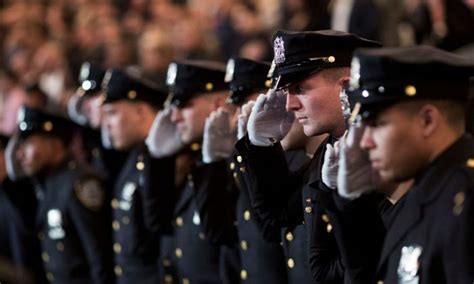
(142, 206)
(203, 224)
(274, 188)
(74, 235)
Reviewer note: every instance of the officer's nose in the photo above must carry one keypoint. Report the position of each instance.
(292, 102)
(176, 115)
(366, 142)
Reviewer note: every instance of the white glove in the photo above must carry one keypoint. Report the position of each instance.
(13, 166)
(355, 175)
(269, 122)
(163, 140)
(218, 142)
(105, 138)
(74, 110)
(330, 165)
(243, 119)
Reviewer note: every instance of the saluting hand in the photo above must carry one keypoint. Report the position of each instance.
(355, 174)
(163, 140)
(269, 122)
(218, 142)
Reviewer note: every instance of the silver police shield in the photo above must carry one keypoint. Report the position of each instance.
(55, 224)
(409, 265)
(279, 50)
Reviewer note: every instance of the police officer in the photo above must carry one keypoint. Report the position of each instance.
(203, 214)
(261, 260)
(143, 199)
(18, 242)
(313, 68)
(413, 105)
(84, 108)
(70, 222)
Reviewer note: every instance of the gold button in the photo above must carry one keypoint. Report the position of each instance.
(140, 166)
(308, 209)
(242, 169)
(117, 248)
(239, 159)
(331, 59)
(243, 274)
(114, 203)
(118, 270)
(125, 220)
(380, 282)
(329, 228)
(186, 281)
(50, 276)
(289, 236)
(291, 263)
(179, 221)
(470, 163)
(168, 278)
(325, 218)
(234, 175)
(459, 198)
(132, 94)
(410, 91)
(202, 236)
(45, 257)
(268, 83)
(244, 245)
(247, 215)
(166, 262)
(232, 166)
(209, 86)
(60, 246)
(116, 225)
(195, 146)
(179, 253)
(48, 126)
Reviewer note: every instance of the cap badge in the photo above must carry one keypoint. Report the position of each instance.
(279, 50)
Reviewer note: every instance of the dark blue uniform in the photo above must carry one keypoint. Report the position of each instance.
(290, 204)
(142, 207)
(203, 225)
(18, 241)
(73, 231)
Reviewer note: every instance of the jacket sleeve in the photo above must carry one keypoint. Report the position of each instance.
(275, 194)
(324, 256)
(159, 195)
(359, 231)
(215, 200)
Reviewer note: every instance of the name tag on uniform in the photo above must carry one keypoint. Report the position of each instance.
(55, 224)
(409, 265)
(196, 218)
(127, 196)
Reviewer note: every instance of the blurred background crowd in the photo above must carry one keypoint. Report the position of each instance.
(44, 42)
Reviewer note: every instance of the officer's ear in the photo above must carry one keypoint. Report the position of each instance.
(429, 119)
(219, 100)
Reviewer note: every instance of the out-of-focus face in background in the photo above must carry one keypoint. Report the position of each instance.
(122, 120)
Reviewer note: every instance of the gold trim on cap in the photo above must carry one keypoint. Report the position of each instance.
(410, 90)
(132, 94)
(209, 86)
(48, 126)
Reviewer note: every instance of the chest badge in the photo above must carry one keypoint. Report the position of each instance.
(127, 195)
(55, 224)
(409, 265)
